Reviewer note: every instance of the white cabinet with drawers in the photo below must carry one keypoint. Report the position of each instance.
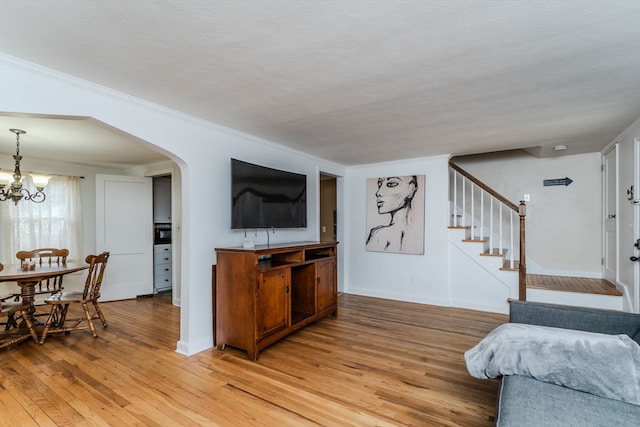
(161, 268)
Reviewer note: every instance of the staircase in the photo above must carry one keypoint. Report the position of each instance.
(478, 276)
(486, 244)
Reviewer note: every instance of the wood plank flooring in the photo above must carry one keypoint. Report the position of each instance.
(380, 362)
(572, 284)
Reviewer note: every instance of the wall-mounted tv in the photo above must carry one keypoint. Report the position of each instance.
(263, 197)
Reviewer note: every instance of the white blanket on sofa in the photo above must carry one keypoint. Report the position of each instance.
(600, 364)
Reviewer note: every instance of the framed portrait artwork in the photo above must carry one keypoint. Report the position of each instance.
(395, 214)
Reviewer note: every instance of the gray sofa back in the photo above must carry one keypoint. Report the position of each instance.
(579, 318)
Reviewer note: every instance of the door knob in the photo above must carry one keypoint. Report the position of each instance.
(634, 258)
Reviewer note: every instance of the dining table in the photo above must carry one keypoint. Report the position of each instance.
(27, 279)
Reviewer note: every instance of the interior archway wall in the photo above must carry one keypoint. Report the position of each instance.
(200, 149)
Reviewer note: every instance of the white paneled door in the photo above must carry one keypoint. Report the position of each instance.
(124, 228)
(610, 252)
(636, 213)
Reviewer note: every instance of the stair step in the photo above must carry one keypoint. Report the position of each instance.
(476, 240)
(507, 265)
(572, 284)
(494, 252)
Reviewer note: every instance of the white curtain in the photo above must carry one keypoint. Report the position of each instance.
(54, 223)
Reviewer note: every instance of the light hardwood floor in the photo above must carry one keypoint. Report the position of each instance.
(572, 284)
(379, 363)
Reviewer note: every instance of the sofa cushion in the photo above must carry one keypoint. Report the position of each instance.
(526, 402)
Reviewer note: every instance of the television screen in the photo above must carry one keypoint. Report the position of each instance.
(263, 197)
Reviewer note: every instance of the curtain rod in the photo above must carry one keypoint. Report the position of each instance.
(51, 174)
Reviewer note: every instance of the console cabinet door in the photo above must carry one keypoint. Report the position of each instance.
(327, 295)
(273, 301)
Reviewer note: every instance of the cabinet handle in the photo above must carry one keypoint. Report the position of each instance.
(286, 289)
(318, 280)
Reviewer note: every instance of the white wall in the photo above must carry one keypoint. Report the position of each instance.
(563, 223)
(201, 150)
(416, 278)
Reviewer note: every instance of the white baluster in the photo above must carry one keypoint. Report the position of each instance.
(455, 198)
(473, 211)
(481, 214)
(464, 202)
(490, 224)
(500, 230)
(512, 250)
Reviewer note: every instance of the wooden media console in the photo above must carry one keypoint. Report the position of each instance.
(265, 293)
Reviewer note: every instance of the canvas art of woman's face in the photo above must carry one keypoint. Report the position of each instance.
(394, 193)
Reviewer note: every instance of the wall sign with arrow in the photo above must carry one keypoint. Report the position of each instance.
(557, 181)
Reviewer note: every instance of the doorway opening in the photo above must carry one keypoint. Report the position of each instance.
(328, 208)
(162, 236)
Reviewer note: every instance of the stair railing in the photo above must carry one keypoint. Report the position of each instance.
(465, 188)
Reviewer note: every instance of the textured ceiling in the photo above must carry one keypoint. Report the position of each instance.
(356, 81)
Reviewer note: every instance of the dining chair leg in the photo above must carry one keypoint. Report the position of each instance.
(89, 320)
(100, 315)
(11, 322)
(29, 324)
(52, 316)
(62, 315)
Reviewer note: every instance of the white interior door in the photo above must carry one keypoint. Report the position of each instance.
(630, 238)
(124, 228)
(610, 215)
(636, 213)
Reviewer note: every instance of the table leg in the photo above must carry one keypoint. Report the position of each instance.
(28, 293)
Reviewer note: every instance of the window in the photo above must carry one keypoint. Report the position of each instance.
(54, 223)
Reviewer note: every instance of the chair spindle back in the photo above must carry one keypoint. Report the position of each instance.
(97, 265)
(50, 256)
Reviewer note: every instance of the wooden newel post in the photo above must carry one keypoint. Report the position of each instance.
(522, 273)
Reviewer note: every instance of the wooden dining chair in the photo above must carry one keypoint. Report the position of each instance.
(46, 256)
(60, 302)
(15, 333)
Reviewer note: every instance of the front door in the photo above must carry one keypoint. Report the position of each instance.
(123, 227)
(629, 274)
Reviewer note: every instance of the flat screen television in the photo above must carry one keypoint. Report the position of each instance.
(263, 197)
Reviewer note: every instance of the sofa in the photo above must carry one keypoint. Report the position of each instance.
(533, 396)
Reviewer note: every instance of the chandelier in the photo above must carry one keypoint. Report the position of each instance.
(13, 190)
